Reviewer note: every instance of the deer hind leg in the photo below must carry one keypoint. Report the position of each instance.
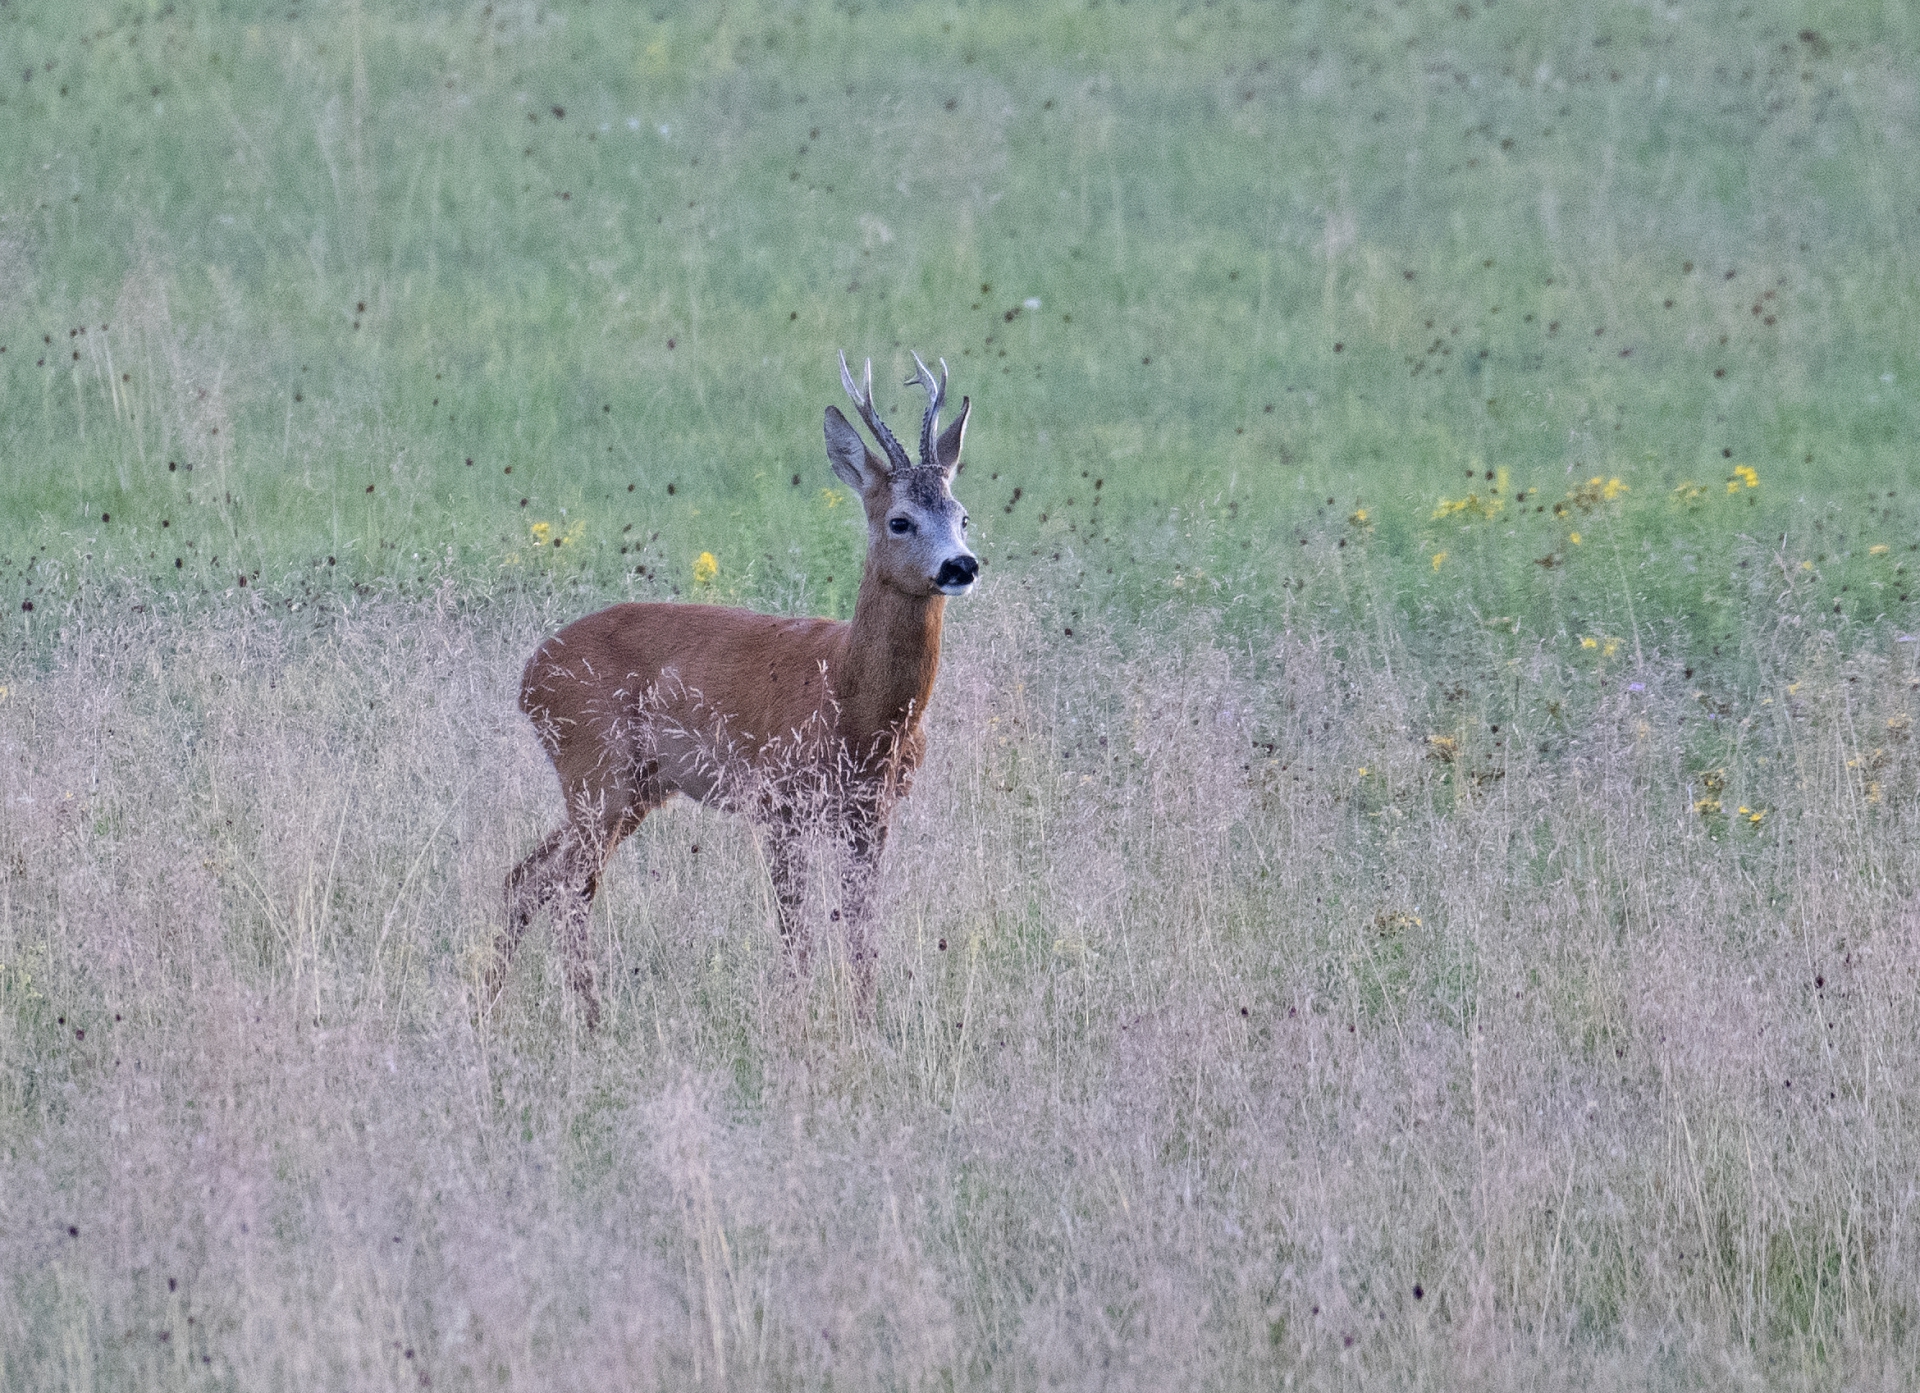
(570, 922)
(530, 886)
(565, 868)
(595, 833)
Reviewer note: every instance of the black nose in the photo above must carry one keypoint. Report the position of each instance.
(957, 570)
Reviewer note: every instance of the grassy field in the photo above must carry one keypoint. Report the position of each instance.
(1416, 881)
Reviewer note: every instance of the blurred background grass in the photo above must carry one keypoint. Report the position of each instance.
(337, 295)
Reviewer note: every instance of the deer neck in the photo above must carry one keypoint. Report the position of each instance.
(892, 656)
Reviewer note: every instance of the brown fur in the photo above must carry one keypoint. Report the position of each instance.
(790, 722)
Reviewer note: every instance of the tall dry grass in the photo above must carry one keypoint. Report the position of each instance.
(1202, 1058)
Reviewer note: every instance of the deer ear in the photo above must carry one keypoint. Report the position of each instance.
(947, 451)
(852, 461)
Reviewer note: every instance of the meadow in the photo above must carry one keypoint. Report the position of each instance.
(1415, 882)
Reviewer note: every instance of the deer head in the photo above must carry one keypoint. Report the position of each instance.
(916, 528)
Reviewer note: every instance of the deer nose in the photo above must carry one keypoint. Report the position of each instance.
(957, 572)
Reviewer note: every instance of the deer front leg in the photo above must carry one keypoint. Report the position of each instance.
(867, 840)
(786, 867)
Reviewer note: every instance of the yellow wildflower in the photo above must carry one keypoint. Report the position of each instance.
(833, 497)
(705, 568)
(1359, 519)
(1439, 559)
(1574, 537)
(1591, 494)
(1878, 549)
(1472, 503)
(1609, 648)
(1363, 771)
(1586, 642)
(542, 533)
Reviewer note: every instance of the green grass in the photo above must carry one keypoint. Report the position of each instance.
(1283, 255)
(1413, 883)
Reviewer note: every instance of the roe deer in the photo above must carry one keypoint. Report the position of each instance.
(791, 722)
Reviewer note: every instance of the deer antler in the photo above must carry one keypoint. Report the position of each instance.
(930, 423)
(863, 401)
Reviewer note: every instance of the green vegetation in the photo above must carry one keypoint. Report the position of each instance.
(1251, 269)
(1414, 882)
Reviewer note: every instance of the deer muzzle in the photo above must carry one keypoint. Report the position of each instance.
(957, 574)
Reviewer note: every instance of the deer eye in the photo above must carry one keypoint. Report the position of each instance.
(964, 520)
(900, 526)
